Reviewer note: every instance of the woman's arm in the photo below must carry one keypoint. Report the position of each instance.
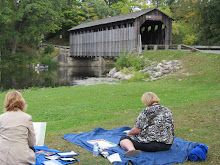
(31, 134)
(134, 131)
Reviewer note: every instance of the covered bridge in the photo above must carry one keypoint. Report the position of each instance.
(109, 37)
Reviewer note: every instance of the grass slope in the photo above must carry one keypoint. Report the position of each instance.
(192, 95)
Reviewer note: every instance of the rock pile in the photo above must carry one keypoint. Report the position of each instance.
(154, 69)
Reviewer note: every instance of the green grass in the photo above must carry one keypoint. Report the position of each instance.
(194, 102)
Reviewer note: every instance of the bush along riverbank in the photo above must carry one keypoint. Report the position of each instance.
(29, 57)
(133, 67)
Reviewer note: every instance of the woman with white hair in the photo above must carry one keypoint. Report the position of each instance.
(16, 132)
(153, 130)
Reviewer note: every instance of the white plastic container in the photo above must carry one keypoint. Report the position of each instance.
(95, 149)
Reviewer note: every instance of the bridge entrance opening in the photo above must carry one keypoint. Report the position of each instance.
(152, 33)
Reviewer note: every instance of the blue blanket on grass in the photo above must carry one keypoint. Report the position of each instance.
(177, 154)
(40, 158)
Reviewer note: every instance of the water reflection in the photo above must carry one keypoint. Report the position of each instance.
(23, 78)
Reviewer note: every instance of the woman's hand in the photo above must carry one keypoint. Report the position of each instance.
(134, 131)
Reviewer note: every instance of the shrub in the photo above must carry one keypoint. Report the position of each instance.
(138, 76)
(126, 70)
(122, 61)
(47, 60)
(125, 59)
(17, 59)
(49, 49)
(136, 62)
(189, 39)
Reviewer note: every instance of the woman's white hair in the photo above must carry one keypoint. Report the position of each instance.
(149, 98)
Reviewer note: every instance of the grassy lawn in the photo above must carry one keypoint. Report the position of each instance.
(192, 94)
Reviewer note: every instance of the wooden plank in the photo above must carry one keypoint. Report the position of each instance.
(83, 44)
(206, 47)
(191, 48)
(109, 42)
(76, 43)
(99, 43)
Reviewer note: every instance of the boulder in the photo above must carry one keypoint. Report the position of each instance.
(158, 74)
(116, 75)
(112, 72)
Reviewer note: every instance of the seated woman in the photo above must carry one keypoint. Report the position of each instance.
(153, 130)
(16, 132)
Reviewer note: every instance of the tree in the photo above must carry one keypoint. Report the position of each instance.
(73, 14)
(157, 2)
(186, 16)
(210, 24)
(25, 21)
(198, 21)
(77, 12)
(128, 6)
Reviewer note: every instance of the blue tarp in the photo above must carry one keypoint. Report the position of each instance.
(40, 158)
(177, 154)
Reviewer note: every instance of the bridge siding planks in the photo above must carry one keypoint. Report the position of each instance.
(110, 39)
(108, 43)
(102, 42)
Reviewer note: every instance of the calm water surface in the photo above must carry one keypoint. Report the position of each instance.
(23, 78)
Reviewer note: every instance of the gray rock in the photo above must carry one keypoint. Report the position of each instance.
(165, 71)
(164, 61)
(127, 77)
(160, 65)
(116, 75)
(158, 74)
(122, 76)
(154, 79)
(112, 72)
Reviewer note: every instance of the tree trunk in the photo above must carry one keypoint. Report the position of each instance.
(14, 47)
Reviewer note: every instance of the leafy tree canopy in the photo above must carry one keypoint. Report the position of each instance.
(27, 20)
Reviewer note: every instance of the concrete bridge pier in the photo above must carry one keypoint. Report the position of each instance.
(86, 61)
(65, 60)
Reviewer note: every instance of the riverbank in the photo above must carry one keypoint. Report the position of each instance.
(194, 102)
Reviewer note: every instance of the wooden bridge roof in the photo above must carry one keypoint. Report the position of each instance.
(114, 19)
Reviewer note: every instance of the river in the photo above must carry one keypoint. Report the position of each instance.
(24, 78)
